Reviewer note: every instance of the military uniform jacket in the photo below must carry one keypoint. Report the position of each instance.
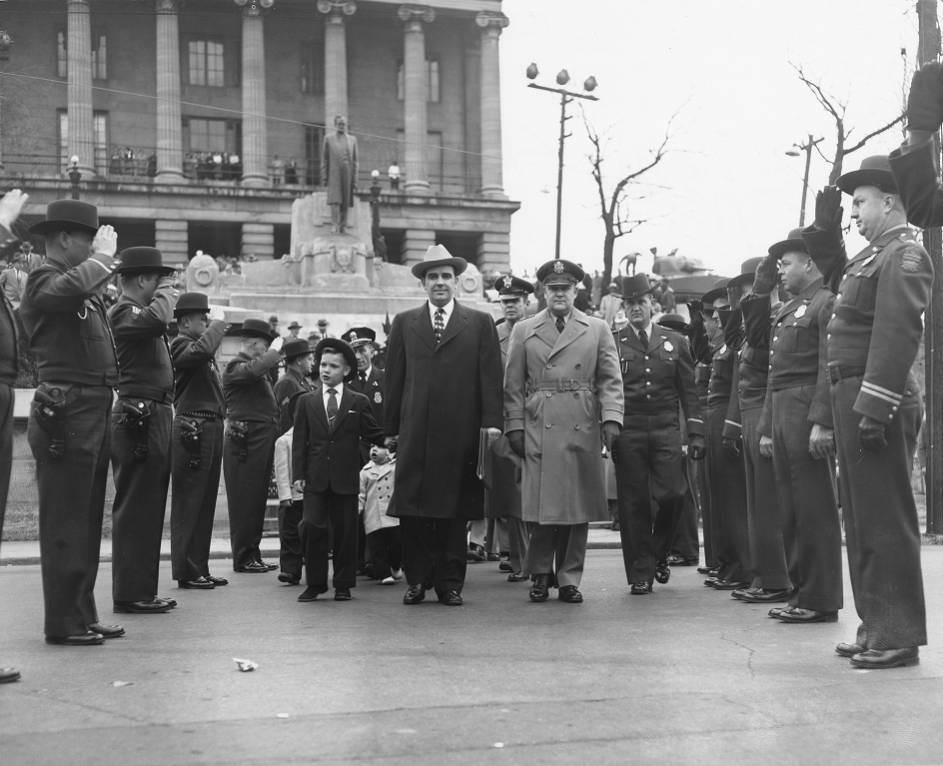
(876, 324)
(373, 390)
(197, 387)
(658, 378)
(144, 366)
(248, 389)
(65, 320)
(289, 387)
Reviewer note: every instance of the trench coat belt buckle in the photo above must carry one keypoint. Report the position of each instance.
(837, 372)
(562, 385)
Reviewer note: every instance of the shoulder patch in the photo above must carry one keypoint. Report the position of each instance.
(911, 259)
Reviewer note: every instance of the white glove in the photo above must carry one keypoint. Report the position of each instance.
(277, 343)
(10, 206)
(106, 241)
(217, 313)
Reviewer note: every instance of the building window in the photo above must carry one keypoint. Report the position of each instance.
(99, 55)
(206, 63)
(312, 71)
(432, 81)
(212, 149)
(99, 138)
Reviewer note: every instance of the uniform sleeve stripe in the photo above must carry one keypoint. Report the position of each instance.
(879, 391)
(882, 397)
(695, 420)
(732, 423)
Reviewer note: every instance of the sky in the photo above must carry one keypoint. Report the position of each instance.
(714, 74)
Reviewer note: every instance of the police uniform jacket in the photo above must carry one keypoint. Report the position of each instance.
(144, 366)
(66, 321)
(197, 387)
(659, 378)
(723, 362)
(248, 389)
(287, 390)
(373, 390)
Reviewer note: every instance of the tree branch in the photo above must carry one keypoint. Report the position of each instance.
(874, 133)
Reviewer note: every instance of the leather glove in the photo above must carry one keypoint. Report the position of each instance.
(516, 440)
(828, 209)
(734, 294)
(610, 430)
(872, 435)
(767, 275)
(696, 449)
(732, 445)
(925, 102)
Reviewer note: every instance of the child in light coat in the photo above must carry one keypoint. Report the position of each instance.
(383, 535)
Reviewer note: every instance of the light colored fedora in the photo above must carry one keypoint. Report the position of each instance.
(438, 255)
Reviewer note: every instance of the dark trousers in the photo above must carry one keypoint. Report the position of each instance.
(434, 552)
(686, 543)
(247, 482)
(881, 529)
(648, 462)
(326, 513)
(809, 516)
(140, 502)
(558, 550)
(767, 552)
(290, 551)
(71, 506)
(6, 446)
(193, 500)
(728, 514)
(386, 551)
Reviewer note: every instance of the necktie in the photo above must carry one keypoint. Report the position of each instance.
(363, 378)
(438, 324)
(560, 324)
(643, 338)
(331, 406)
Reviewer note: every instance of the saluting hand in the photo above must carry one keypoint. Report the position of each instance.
(828, 209)
(106, 241)
(10, 206)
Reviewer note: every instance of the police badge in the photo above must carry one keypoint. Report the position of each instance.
(669, 346)
(378, 398)
(800, 312)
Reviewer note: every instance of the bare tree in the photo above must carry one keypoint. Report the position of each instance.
(614, 205)
(836, 110)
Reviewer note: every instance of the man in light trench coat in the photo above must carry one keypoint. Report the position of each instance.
(563, 402)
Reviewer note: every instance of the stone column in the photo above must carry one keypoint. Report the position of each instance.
(81, 131)
(258, 239)
(171, 237)
(491, 25)
(335, 57)
(494, 251)
(415, 244)
(169, 127)
(254, 142)
(415, 90)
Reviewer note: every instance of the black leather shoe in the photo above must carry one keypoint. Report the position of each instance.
(763, 596)
(880, 659)
(729, 584)
(415, 594)
(342, 594)
(676, 560)
(778, 610)
(171, 601)
(540, 590)
(798, 614)
(200, 583)
(219, 582)
(154, 606)
(475, 554)
(706, 570)
(570, 594)
(289, 579)
(9, 675)
(89, 638)
(518, 577)
(253, 567)
(451, 598)
(849, 650)
(504, 566)
(662, 572)
(268, 567)
(309, 594)
(107, 631)
(640, 588)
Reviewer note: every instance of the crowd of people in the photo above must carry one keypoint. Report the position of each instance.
(781, 406)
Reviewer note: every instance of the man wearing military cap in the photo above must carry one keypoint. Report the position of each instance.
(197, 454)
(657, 377)
(299, 361)
(563, 403)
(249, 446)
(443, 389)
(141, 424)
(872, 341)
(69, 426)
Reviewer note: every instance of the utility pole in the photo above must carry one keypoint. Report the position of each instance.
(929, 50)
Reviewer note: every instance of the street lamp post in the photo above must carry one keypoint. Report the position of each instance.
(379, 244)
(75, 175)
(795, 152)
(566, 96)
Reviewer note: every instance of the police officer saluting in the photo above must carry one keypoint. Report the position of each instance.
(69, 424)
(197, 454)
(299, 360)
(251, 426)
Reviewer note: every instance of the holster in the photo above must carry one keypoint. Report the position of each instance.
(191, 433)
(49, 413)
(238, 433)
(135, 415)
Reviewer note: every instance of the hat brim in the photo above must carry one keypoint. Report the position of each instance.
(637, 294)
(741, 280)
(163, 270)
(882, 179)
(183, 312)
(255, 334)
(681, 327)
(779, 249)
(459, 264)
(712, 295)
(48, 227)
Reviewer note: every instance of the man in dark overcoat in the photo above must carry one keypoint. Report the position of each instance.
(443, 395)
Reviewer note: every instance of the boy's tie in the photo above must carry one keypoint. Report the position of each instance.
(331, 406)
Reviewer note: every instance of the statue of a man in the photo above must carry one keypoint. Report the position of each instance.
(339, 172)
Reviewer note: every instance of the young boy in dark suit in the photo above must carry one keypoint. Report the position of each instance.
(329, 425)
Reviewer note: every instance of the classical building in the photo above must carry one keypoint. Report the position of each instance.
(194, 124)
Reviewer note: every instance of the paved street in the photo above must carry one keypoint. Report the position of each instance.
(685, 676)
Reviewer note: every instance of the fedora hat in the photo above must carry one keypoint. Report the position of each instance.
(719, 290)
(295, 347)
(256, 328)
(438, 255)
(192, 303)
(294, 325)
(142, 260)
(635, 287)
(67, 215)
(336, 344)
(874, 171)
(747, 272)
(791, 244)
